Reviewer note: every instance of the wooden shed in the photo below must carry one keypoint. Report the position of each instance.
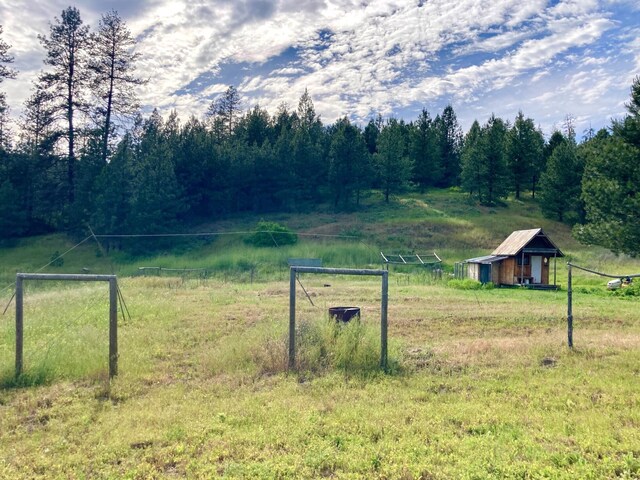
(524, 258)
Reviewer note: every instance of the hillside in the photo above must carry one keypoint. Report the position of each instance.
(440, 220)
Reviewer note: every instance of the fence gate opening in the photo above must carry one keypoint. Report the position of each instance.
(113, 312)
(338, 271)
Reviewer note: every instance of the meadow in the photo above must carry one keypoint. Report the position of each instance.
(481, 383)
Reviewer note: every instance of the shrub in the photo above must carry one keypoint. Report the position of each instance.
(272, 234)
(632, 290)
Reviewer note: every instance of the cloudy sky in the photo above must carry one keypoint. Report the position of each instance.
(359, 58)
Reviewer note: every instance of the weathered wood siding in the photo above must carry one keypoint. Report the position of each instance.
(495, 273)
(507, 271)
(474, 271)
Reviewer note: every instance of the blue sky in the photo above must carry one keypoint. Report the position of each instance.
(359, 58)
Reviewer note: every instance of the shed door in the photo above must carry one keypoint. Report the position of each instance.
(536, 269)
(485, 273)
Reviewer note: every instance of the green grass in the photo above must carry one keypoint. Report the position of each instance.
(485, 386)
(482, 385)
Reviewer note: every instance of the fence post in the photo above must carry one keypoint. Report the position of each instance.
(383, 320)
(19, 325)
(569, 308)
(292, 318)
(113, 328)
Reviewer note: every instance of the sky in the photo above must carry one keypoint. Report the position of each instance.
(360, 58)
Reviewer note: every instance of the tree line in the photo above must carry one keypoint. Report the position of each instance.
(84, 155)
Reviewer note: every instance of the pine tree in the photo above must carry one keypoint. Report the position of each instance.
(524, 152)
(494, 183)
(309, 152)
(5, 58)
(560, 185)
(472, 160)
(225, 111)
(5, 72)
(392, 163)
(154, 204)
(371, 132)
(611, 184)
(424, 151)
(348, 163)
(449, 146)
(113, 83)
(66, 47)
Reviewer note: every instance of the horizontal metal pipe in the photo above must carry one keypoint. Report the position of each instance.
(338, 271)
(66, 276)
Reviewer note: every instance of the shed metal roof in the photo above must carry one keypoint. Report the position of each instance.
(486, 259)
(519, 239)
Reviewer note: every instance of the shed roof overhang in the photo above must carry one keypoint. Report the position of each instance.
(488, 259)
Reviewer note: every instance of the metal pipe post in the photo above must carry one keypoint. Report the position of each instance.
(569, 308)
(292, 318)
(19, 325)
(384, 320)
(113, 327)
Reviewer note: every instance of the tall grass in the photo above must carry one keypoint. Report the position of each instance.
(66, 335)
(322, 345)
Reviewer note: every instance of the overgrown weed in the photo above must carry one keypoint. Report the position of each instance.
(322, 345)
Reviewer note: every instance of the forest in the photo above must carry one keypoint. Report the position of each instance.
(83, 154)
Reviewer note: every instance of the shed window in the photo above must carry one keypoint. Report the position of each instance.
(526, 260)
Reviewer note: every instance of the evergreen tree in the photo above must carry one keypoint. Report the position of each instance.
(611, 192)
(154, 204)
(424, 152)
(13, 220)
(195, 157)
(113, 191)
(392, 163)
(225, 112)
(348, 163)
(44, 181)
(494, 178)
(611, 184)
(371, 132)
(5, 72)
(255, 127)
(5, 130)
(5, 59)
(449, 146)
(560, 184)
(472, 160)
(524, 152)
(308, 147)
(66, 48)
(113, 83)
(13, 212)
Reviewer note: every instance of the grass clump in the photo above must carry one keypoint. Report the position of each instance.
(322, 346)
(352, 347)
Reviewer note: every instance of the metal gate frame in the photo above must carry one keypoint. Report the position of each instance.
(113, 312)
(294, 270)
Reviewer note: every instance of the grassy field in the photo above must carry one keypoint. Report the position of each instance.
(481, 382)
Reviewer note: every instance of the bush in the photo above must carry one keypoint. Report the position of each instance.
(632, 290)
(272, 234)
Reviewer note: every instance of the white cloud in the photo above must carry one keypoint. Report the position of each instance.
(381, 55)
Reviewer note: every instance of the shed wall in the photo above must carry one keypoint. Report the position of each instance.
(474, 271)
